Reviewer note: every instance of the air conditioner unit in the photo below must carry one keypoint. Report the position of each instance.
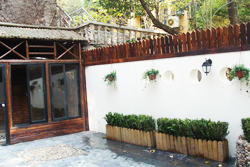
(173, 21)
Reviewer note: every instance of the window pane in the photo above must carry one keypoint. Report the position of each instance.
(72, 90)
(20, 102)
(36, 82)
(58, 92)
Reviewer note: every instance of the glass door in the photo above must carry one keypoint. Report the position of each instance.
(3, 107)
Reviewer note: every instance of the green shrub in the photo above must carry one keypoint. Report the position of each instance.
(198, 129)
(245, 123)
(141, 122)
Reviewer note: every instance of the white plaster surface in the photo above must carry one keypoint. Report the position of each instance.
(211, 98)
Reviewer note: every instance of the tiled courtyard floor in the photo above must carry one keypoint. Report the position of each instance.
(89, 149)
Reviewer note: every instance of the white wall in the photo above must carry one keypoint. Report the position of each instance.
(213, 97)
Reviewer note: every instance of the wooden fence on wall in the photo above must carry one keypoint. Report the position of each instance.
(226, 39)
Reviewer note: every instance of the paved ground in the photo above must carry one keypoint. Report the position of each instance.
(91, 150)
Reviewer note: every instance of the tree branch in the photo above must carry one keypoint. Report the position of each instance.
(156, 22)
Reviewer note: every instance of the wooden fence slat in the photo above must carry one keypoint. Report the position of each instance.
(180, 42)
(184, 41)
(160, 141)
(127, 50)
(176, 145)
(164, 140)
(171, 44)
(148, 46)
(231, 35)
(243, 33)
(220, 151)
(189, 41)
(236, 35)
(219, 35)
(175, 43)
(159, 45)
(214, 39)
(192, 146)
(148, 139)
(139, 137)
(193, 41)
(201, 153)
(163, 45)
(203, 39)
(179, 144)
(210, 149)
(189, 146)
(172, 148)
(225, 37)
(196, 145)
(198, 36)
(208, 33)
(167, 44)
(225, 150)
(248, 33)
(151, 46)
(168, 147)
(205, 149)
(155, 46)
(215, 150)
(184, 145)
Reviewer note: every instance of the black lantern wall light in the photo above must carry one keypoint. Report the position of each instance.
(206, 66)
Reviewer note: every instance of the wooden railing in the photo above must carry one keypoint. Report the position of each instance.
(104, 34)
(226, 39)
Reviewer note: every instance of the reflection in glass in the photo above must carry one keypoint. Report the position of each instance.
(58, 93)
(72, 90)
(37, 104)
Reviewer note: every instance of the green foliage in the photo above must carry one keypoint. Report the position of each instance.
(198, 129)
(148, 73)
(245, 124)
(115, 119)
(141, 122)
(245, 72)
(110, 77)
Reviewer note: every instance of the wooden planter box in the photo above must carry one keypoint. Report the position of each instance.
(213, 150)
(131, 136)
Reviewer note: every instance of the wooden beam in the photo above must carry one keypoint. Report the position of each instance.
(12, 50)
(67, 50)
(8, 93)
(40, 46)
(82, 82)
(27, 50)
(41, 53)
(55, 52)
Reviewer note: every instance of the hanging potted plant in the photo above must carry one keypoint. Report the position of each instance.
(110, 77)
(241, 72)
(151, 74)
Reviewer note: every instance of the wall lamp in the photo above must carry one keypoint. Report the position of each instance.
(206, 66)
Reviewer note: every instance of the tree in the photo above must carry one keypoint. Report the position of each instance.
(34, 12)
(137, 8)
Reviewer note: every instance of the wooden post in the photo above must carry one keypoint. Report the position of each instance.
(112, 35)
(98, 35)
(55, 52)
(105, 36)
(92, 32)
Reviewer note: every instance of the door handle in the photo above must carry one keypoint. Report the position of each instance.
(2, 105)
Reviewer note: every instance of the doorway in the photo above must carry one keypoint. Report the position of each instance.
(3, 107)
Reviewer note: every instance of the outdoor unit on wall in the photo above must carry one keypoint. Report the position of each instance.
(173, 21)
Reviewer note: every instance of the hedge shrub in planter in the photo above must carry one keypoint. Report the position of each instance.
(243, 144)
(202, 138)
(132, 129)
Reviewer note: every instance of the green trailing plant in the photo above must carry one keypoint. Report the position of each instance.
(198, 129)
(110, 77)
(141, 122)
(245, 124)
(150, 73)
(245, 73)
